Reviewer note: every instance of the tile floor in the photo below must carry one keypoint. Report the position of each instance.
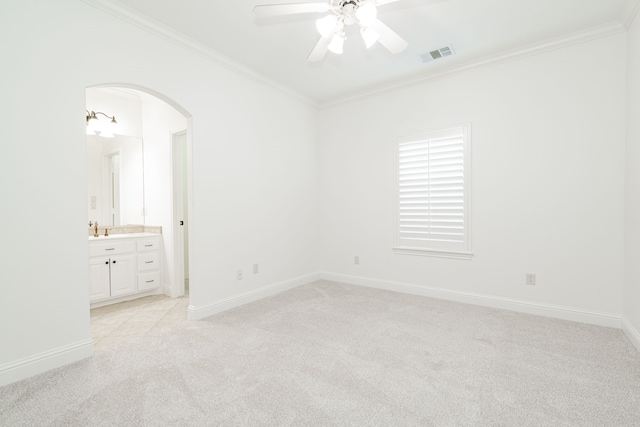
(122, 322)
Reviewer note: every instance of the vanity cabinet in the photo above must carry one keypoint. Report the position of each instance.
(111, 276)
(121, 266)
(148, 264)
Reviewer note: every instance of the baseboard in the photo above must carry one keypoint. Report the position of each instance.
(200, 312)
(45, 361)
(125, 298)
(631, 332)
(521, 306)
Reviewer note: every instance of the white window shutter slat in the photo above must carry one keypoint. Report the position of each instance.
(433, 202)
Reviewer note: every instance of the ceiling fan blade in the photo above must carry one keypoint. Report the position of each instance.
(388, 38)
(290, 9)
(320, 50)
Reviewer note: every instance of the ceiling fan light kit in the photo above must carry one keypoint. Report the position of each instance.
(337, 44)
(342, 13)
(370, 36)
(327, 25)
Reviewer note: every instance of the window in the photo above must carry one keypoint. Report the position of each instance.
(433, 201)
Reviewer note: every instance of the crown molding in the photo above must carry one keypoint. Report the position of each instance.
(593, 33)
(160, 30)
(631, 8)
(112, 7)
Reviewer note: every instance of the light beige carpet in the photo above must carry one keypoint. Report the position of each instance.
(329, 354)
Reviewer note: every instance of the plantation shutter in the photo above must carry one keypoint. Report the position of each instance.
(431, 191)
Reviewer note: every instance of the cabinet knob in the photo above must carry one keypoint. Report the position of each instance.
(106, 262)
(114, 262)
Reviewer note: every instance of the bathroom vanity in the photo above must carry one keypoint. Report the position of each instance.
(123, 267)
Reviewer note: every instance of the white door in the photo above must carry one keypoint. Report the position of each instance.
(180, 214)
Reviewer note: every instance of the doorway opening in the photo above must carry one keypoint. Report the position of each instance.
(180, 211)
(139, 191)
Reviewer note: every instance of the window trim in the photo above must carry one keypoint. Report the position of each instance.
(434, 251)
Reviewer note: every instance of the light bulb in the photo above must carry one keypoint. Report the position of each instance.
(336, 44)
(369, 36)
(92, 126)
(366, 14)
(326, 25)
(109, 128)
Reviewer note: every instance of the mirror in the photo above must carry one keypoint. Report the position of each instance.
(116, 180)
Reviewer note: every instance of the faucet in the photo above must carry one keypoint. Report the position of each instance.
(95, 230)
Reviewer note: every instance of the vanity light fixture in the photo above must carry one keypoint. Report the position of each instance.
(103, 128)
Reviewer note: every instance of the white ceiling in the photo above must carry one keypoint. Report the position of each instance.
(277, 48)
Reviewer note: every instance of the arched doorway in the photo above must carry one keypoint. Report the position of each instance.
(159, 211)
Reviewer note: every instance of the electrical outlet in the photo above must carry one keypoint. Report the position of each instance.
(356, 260)
(256, 269)
(531, 279)
(239, 275)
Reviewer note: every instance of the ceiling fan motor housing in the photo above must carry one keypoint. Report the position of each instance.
(348, 11)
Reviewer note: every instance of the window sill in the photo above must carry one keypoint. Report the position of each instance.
(433, 253)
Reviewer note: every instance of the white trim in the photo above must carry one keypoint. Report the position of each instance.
(458, 250)
(521, 306)
(45, 361)
(631, 332)
(198, 313)
(433, 253)
(630, 12)
(145, 23)
(110, 301)
(156, 28)
(593, 33)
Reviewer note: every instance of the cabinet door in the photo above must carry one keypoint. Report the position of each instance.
(123, 275)
(99, 286)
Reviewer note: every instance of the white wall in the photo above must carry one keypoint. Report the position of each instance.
(632, 212)
(548, 137)
(254, 174)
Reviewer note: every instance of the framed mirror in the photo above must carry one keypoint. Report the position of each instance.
(116, 180)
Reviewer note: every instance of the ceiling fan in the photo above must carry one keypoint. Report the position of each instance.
(342, 13)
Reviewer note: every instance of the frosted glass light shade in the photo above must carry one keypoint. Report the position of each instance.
(326, 25)
(366, 14)
(108, 128)
(336, 45)
(92, 126)
(369, 36)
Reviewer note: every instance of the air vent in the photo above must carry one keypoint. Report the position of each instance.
(437, 54)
